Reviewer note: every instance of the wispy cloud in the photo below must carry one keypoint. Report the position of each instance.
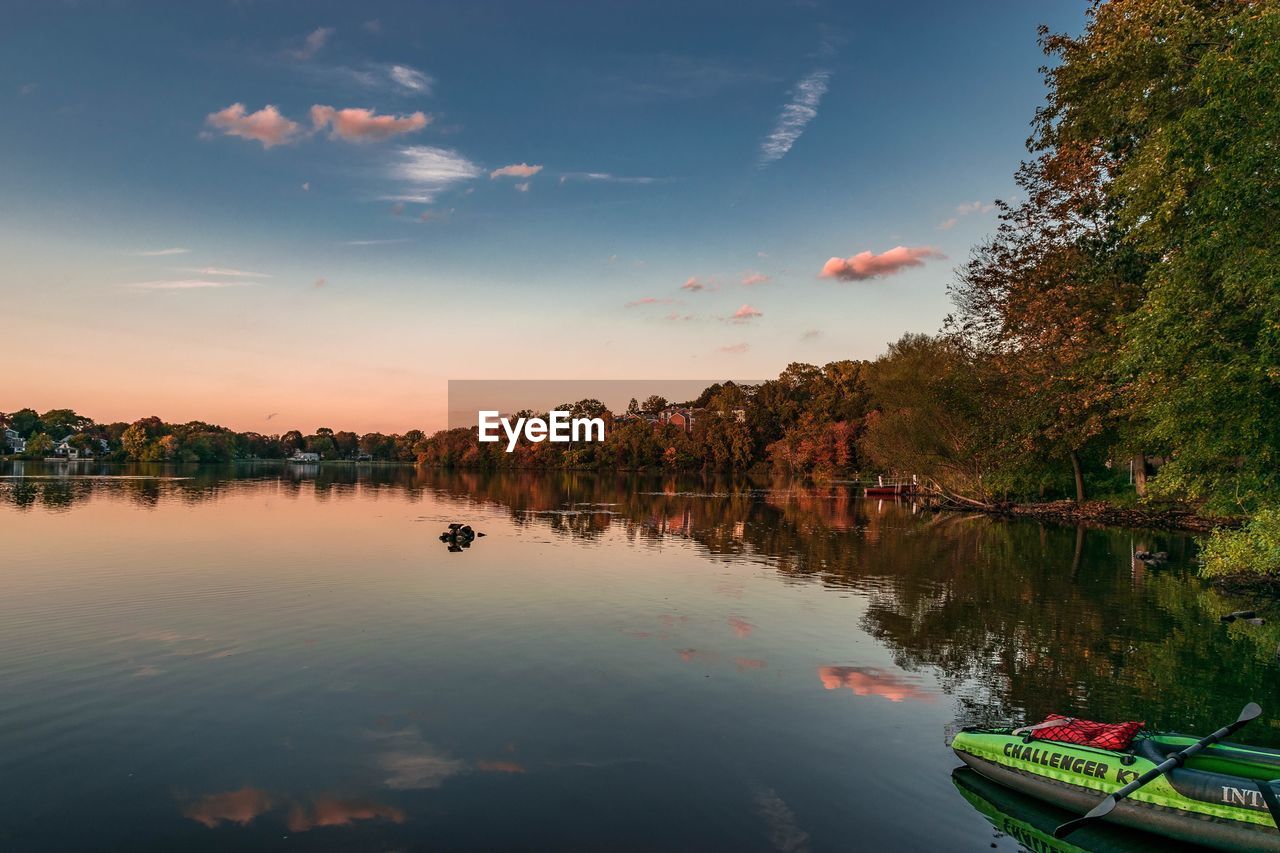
(652, 300)
(523, 187)
(428, 171)
(811, 335)
(746, 313)
(385, 78)
(375, 242)
(753, 278)
(966, 209)
(158, 253)
(515, 170)
(975, 207)
(735, 349)
(266, 125)
(188, 284)
(411, 79)
(865, 265)
(795, 117)
(312, 44)
(225, 271)
(608, 177)
(356, 124)
(695, 284)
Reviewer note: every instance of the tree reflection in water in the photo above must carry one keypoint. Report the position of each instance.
(1018, 619)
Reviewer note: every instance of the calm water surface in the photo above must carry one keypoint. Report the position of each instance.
(289, 658)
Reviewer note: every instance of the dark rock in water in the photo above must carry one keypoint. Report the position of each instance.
(1241, 614)
(459, 536)
(1149, 557)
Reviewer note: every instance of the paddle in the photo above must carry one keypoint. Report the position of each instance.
(1102, 809)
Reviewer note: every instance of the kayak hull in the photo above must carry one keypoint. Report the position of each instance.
(1031, 822)
(1077, 778)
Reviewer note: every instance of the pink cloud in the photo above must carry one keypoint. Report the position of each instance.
(734, 349)
(693, 285)
(516, 170)
(267, 125)
(741, 627)
(651, 300)
(865, 265)
(746, 312)
(754, 278)
(871, 681)
(947, 224)
(356, 124)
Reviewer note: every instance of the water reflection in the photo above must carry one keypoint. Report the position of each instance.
(240, 807)
(872, 681)
(647, 642)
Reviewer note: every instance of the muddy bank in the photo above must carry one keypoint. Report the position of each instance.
(1102, 514)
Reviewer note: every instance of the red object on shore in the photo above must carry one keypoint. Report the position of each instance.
(1114, 736)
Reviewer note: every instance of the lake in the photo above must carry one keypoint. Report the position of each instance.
(270, 657)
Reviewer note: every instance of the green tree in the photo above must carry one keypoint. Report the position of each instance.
(38, 446)
(653, 404)
(26, 422)
(932, 418)
(64, 422)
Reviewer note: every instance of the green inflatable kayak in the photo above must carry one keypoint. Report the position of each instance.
(1031, 822)
(1218, 798)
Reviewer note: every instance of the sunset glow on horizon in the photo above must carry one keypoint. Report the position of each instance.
(303, 215)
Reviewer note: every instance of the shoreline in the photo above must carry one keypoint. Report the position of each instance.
(1103, 514)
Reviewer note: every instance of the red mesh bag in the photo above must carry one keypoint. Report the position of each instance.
(1056, 727)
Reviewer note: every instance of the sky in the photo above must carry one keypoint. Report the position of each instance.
(277, 215)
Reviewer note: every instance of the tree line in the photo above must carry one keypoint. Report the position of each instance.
(153, 440)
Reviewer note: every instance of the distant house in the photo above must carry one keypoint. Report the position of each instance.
(64, 449)
(304, 456)
(13, 443)
(624, 418)
(677, 417)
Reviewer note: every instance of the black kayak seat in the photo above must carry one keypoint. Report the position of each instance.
(1226, 774)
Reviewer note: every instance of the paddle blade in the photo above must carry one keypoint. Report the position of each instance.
(1102, 809)
(1249, 713)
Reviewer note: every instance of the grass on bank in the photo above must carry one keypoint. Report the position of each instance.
(1253, 549)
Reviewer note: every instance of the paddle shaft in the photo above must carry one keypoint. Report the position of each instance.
(1102, 809)
(1175, 760)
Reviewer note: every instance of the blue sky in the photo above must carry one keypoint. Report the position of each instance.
(645, 145)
